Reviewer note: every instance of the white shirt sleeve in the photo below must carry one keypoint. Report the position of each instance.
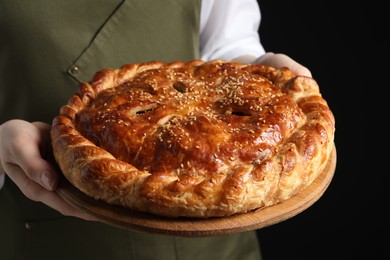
(229, 29)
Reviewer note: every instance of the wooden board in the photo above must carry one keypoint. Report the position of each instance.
(189, 227)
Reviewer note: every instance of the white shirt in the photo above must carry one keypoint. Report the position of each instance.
(228, 29)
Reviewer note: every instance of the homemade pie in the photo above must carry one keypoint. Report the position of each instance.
(194, 139)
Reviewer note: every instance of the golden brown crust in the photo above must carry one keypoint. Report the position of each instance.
(195, 139)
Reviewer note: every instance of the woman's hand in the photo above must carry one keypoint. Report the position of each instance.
(24, 152)
(276, 60)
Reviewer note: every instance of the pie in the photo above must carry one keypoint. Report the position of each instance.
(193, 139)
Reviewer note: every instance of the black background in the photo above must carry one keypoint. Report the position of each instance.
(340, 42)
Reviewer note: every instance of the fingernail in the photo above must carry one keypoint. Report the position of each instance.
(47, 179)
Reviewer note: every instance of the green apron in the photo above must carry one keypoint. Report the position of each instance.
(46, 49)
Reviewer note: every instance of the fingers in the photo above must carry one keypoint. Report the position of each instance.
(276, 60)
(36, 192)
(29, 187)
(245, 58)
(36, 168)
(20, 147)
(279, 60)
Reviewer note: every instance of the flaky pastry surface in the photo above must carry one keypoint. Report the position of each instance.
(194, 139)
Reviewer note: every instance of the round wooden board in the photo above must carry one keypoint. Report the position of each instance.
(189, 227)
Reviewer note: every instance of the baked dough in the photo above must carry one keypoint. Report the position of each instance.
(194, 139)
